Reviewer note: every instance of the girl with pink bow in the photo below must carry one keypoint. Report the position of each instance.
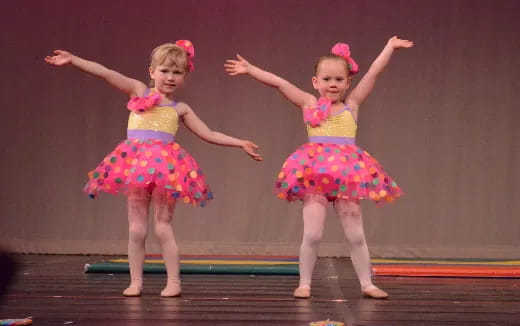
(150, 166)
(330, 167)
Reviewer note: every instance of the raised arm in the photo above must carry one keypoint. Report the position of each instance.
(127, 85)
(367, 83)
(298, 97)
(199, 128)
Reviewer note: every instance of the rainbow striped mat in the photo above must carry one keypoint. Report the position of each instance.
(446, 267)
(288, 265)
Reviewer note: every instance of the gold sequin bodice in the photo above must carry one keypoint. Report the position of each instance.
(339, 125)
(163, 118)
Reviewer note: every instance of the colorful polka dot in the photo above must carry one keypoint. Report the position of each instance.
(146, 162)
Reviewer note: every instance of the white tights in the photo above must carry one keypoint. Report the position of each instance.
(138, 207)
(349, 214)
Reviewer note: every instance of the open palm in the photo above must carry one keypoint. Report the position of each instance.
(60, 58)
(237, 67)
(397, 43)
(250, 148)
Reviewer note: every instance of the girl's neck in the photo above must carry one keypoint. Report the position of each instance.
(336, 107)
(164, 97)
(337, 104)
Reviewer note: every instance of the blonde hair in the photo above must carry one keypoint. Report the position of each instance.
(168, 54)
(333, 57)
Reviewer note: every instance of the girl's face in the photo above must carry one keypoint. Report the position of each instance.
(167, 79)
(332, 80)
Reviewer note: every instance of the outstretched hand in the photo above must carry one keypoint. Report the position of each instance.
(250, 148)
(397, 43)
(60, 58)
(237, 67)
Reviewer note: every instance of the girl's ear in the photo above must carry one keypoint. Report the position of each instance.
(150, 70)
(314, 82)
(349, 81)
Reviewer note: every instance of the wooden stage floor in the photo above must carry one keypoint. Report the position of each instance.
(54, 290)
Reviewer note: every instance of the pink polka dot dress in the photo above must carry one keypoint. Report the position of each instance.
(332, 164)
(150, 157)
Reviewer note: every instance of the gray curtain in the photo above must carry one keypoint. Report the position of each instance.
(442, 121)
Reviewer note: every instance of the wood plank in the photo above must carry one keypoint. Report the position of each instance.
(54, 290)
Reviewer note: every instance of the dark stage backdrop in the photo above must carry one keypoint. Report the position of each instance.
(443, 120)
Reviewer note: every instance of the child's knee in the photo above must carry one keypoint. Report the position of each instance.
(355, 238)
(312, 238)
(137, 231)
(163, 231)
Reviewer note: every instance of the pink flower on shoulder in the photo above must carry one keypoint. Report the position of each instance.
(314, 116)
(140, 104)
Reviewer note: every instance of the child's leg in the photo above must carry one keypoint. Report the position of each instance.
(138, 206)
(314, 213)
(163, 214)
(349, 214)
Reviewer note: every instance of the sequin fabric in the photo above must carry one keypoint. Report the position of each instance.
(160, 118)
(338, 125)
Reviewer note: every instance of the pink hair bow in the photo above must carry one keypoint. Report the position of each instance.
(190, 52)
(140, 104)
(343, 50)
(314, 116)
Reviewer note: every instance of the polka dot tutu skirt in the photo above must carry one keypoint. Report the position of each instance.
(149, 164)
(336, 171)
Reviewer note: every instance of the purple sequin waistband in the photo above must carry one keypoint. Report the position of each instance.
(149, 134)
(333, 140)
